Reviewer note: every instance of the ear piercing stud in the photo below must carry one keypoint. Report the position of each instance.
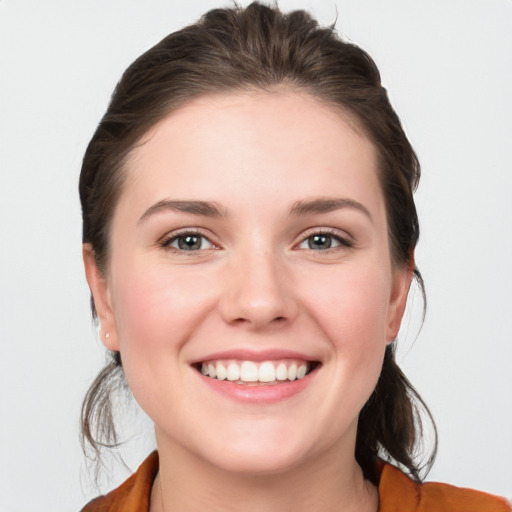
(107, 335)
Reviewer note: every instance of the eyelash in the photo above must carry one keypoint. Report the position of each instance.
(341, 241)
(166, 242)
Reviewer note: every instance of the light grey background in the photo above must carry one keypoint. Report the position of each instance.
(447, 65)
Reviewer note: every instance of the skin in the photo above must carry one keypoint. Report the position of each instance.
(255, 284)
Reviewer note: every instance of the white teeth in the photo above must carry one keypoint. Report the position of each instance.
(281, 372)
(249, 372)
(212, 371)
(221, 371)
(267, 372)
(233, 372)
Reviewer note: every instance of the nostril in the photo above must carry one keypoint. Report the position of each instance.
(278, 320)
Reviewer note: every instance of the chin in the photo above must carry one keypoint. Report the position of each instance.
(258, 463)
(258, 454)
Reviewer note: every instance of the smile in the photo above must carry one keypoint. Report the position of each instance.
(254, 373)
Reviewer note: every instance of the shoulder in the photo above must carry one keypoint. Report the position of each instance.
(398, 493)
(131, 496)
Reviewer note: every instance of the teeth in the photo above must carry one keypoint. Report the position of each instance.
(267, 372)
(233, 372)
(249, 371)
(282, 372)
(212, 371)
(301, 371)
(221, 372)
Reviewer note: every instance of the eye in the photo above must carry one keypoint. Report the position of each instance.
(323, 241)
(187, 242)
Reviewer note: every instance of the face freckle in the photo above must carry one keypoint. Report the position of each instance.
(252, 229)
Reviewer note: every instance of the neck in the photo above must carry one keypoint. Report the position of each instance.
(326, 483)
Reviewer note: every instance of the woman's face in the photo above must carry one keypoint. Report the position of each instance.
(251, 242)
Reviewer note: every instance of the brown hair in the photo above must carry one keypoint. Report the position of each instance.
(260, 47)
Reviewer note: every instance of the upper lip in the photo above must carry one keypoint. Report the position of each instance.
(255, 355)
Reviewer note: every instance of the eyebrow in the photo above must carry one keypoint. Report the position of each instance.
(211, 209)
(203, 208)
(326, 205)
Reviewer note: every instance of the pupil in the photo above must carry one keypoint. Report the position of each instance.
(320, 242)
(189, 242)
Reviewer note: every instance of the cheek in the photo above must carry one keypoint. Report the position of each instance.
(156, 312)
(153, 296)
(351, 306)
(352, 310)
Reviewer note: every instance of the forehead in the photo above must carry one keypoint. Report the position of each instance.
(275, 144)
(281, 107)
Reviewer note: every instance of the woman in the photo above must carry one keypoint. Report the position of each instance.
(249, 236)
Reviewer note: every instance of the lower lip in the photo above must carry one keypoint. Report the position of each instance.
(259, 393)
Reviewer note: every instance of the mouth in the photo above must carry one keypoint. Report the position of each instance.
(253, 373)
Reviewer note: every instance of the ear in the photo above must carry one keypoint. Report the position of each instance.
(101, 296)
(402, 277)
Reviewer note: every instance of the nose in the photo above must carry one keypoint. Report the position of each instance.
(258, 293)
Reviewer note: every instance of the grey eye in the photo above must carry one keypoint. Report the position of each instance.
(324, 241)
(319, 242)
(189, 242)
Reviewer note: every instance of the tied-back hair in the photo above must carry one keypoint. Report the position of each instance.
(260, 48)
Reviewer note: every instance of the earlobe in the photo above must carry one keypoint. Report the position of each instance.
(100, 294)
(402, 278)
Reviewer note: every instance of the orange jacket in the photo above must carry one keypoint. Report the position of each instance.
(397, 493)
